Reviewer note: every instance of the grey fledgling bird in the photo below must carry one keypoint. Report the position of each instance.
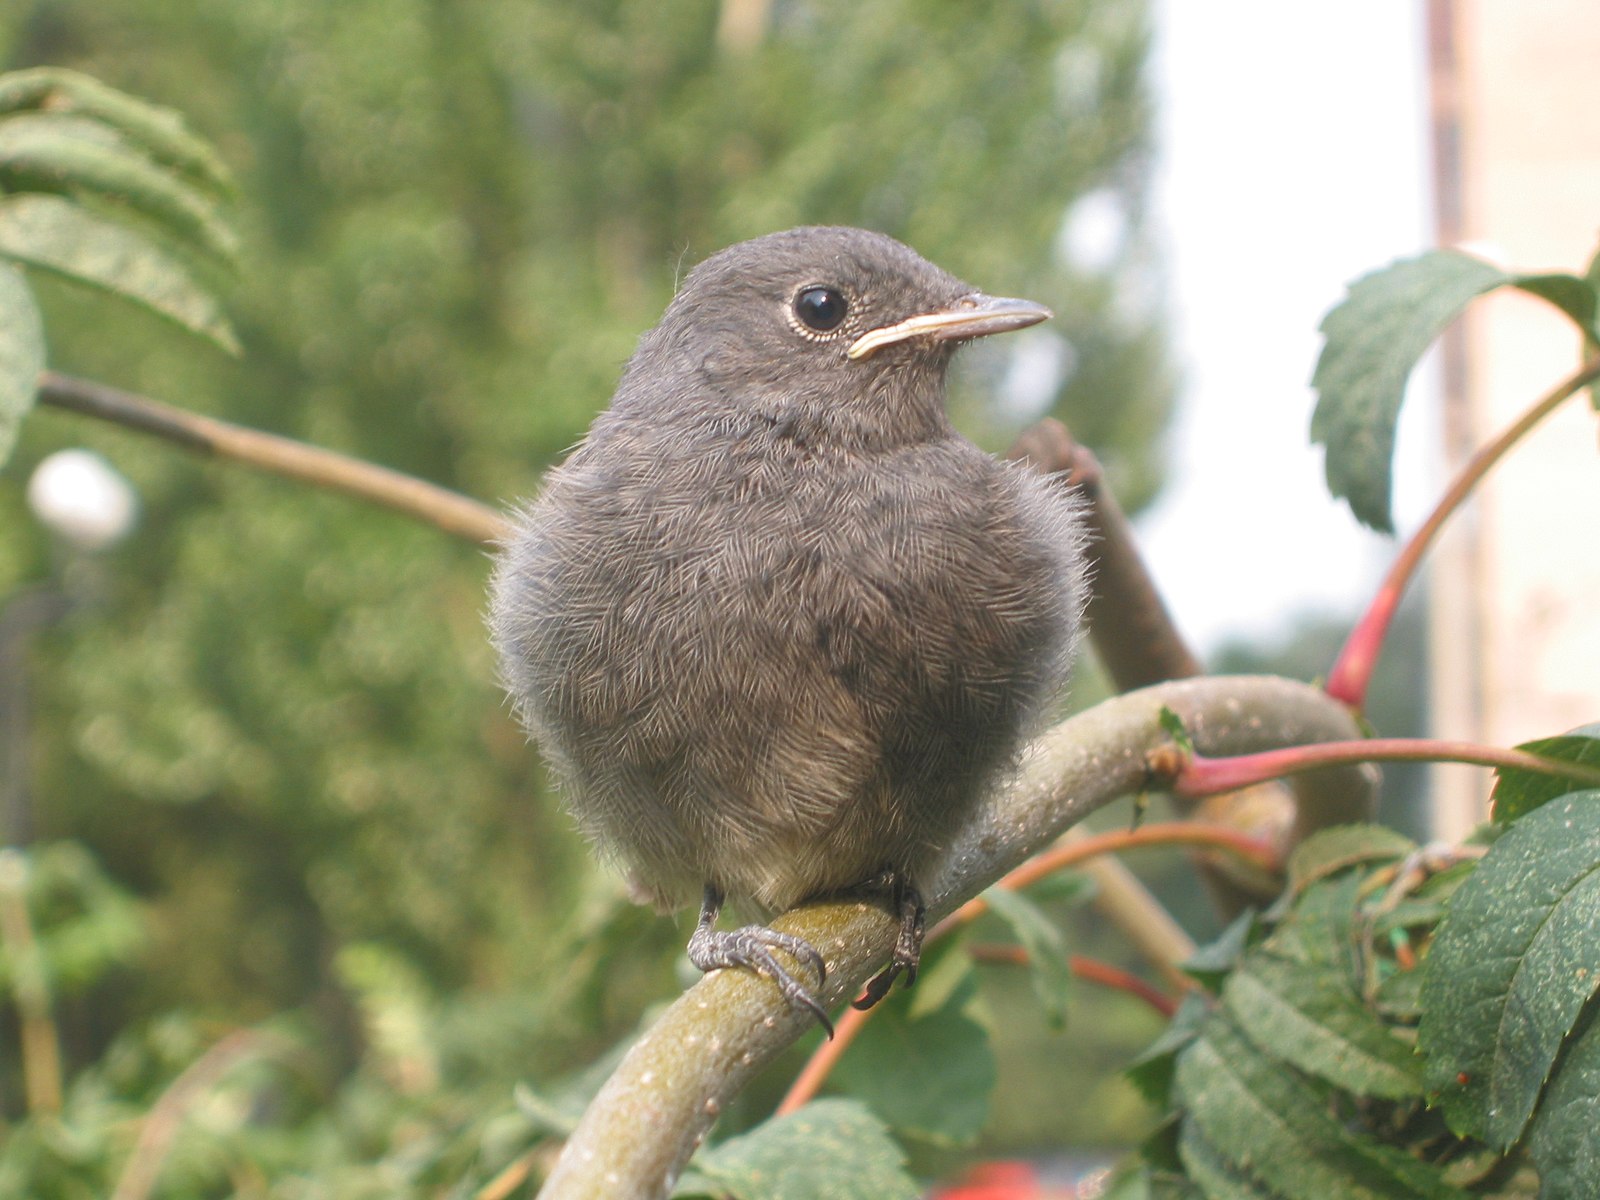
(775, 623)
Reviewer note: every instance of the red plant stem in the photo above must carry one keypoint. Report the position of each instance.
(1103, 973)
(1165, 833)
(1352, 670)
(1253, 850)
(1194, 775)
(1091, 970)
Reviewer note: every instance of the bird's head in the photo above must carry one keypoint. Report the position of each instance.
(835, 333)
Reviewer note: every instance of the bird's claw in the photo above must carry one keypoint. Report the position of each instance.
(907, 947)
(752, 947)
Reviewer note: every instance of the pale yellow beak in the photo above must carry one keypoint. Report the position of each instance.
(971, 316)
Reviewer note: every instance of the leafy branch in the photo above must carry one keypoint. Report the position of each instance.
(1373, 340)
(1352, 670)
(1073, 849)
(111, 192)
(718, 1034)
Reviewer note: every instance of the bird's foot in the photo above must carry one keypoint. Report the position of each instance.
(907, 947)
(751, 947)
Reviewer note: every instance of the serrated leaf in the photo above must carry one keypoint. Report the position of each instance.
(1047, 951)
(1152, 1071)
(1399, 996)
(54, 234)
(1159, 1147)
(1511, 967)
(1518, 792)
(1139, 1182)
(1372, 341)
(1573, 296)
(926, 1073)
(1562, 1138)
(1426, 906)
(160, 132)
(1264, 1117)
(21, 354)
(1216, 1178)
(1314, 1022)
(829, 1150)
(1343, 846)
(1210, 964)
(51, 152)
(1319, 928)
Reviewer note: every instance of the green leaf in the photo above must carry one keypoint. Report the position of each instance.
(1265, 1118)
(21, 354)
(1152, 1071)
(53, 153)
(1399, 996)
(1562, 1138)
(1511, 968)
(1425, 907)
(1518, 792)
(86, 925)
(829, 1150)
(1320, 928)
(1063, 887)
(1047, 951)
(557, 1106)
(1137, 1181)
(1572, 295)
(1211, 963)
(1372, 341)
(1311, 1019)
(1217, 1178)
(1332, 850)
(160, 132)
(926, 1073)
(1172, 725)
(52, 233)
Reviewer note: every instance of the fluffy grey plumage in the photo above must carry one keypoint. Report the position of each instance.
(775, 623)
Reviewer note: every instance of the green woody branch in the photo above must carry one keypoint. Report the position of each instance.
(662, 1100)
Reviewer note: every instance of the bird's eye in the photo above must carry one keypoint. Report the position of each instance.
(820, 308)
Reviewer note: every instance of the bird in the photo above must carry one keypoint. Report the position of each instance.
(774, 623)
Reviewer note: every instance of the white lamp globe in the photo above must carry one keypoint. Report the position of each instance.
(83, 499)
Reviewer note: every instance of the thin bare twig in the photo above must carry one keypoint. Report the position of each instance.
(165, 1118)
(450, 511)
(30, 987)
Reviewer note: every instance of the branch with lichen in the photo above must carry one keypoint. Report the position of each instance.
(661, 1101)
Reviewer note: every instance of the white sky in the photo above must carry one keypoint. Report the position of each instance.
(1292, 158)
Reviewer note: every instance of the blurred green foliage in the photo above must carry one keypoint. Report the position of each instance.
(271, 724)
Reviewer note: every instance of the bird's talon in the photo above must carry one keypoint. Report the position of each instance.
(752, 948)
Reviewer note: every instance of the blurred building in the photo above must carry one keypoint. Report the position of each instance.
(1516, 581)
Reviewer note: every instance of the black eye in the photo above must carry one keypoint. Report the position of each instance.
(820, 308)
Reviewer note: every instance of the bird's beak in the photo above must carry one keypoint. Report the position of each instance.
(972, 316)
